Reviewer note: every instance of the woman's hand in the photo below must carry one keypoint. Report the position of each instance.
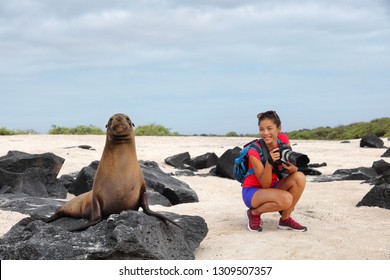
(275, 155)
(291, 168)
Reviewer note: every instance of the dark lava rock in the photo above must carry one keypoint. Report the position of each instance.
(360, 173)
(381, 166)
(32, 174)
(178, 160)
(317, 165)
(378, 196)
(371, 141)
(387, 153)
(84, 179)
(226, 162)
(128, 235)
(204, 161)
(174, 190)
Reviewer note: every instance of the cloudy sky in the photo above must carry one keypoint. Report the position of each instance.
(193, 66)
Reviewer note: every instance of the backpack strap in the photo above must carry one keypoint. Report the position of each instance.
(258, 149)
(264, 155)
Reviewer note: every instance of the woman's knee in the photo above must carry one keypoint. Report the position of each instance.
(285, 200)
(299, 179)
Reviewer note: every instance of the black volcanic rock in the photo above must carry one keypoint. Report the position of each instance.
(378, 196)
(84, 179)
(128, 235)
(371, 141)
(178, 160)
(204, 161)
(174, 190)
(226, 162)
(32, 174)
(387, 153)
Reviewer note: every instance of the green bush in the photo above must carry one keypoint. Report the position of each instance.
(379, 127)
(79, 130)
(154, 130)
(6, 131)
(231, 134)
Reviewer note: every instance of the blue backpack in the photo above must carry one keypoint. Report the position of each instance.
(240, 168)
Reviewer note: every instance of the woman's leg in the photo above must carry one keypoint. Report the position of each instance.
(294, 184)
(270, 200)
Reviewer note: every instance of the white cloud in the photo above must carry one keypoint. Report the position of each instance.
(186, 48)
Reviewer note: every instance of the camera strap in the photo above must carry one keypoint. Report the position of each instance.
(275, 169)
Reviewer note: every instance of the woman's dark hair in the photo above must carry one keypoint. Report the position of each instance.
(272, 115)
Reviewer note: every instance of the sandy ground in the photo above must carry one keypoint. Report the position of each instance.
(337, 230)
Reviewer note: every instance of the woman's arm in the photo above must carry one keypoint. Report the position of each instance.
(263, 173)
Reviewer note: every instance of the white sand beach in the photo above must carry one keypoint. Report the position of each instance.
(337, 230)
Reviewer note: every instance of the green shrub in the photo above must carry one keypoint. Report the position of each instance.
(231, 134)
(79, 130)
(154, 130)
(379, 127)
(6, 131)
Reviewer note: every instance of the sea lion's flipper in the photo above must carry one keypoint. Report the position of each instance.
(84, 226)
(31, 218)
(145, 207)
(53, 217)
(35, 217)
(94, 216)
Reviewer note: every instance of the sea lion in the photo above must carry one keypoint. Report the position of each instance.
(119, 183)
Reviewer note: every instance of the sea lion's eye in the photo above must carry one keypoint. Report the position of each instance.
(109, 121)
(129, 121)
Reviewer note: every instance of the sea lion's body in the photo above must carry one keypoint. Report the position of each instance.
(119, 183)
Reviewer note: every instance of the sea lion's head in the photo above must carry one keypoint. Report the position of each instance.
(119, 128)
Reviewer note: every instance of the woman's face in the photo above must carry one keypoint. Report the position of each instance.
(269, 131)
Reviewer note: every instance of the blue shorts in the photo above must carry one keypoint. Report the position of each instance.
(248, 192)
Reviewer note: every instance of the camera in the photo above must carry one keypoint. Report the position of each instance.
(288, 155)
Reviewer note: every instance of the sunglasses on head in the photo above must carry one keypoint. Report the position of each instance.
(268, 114)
